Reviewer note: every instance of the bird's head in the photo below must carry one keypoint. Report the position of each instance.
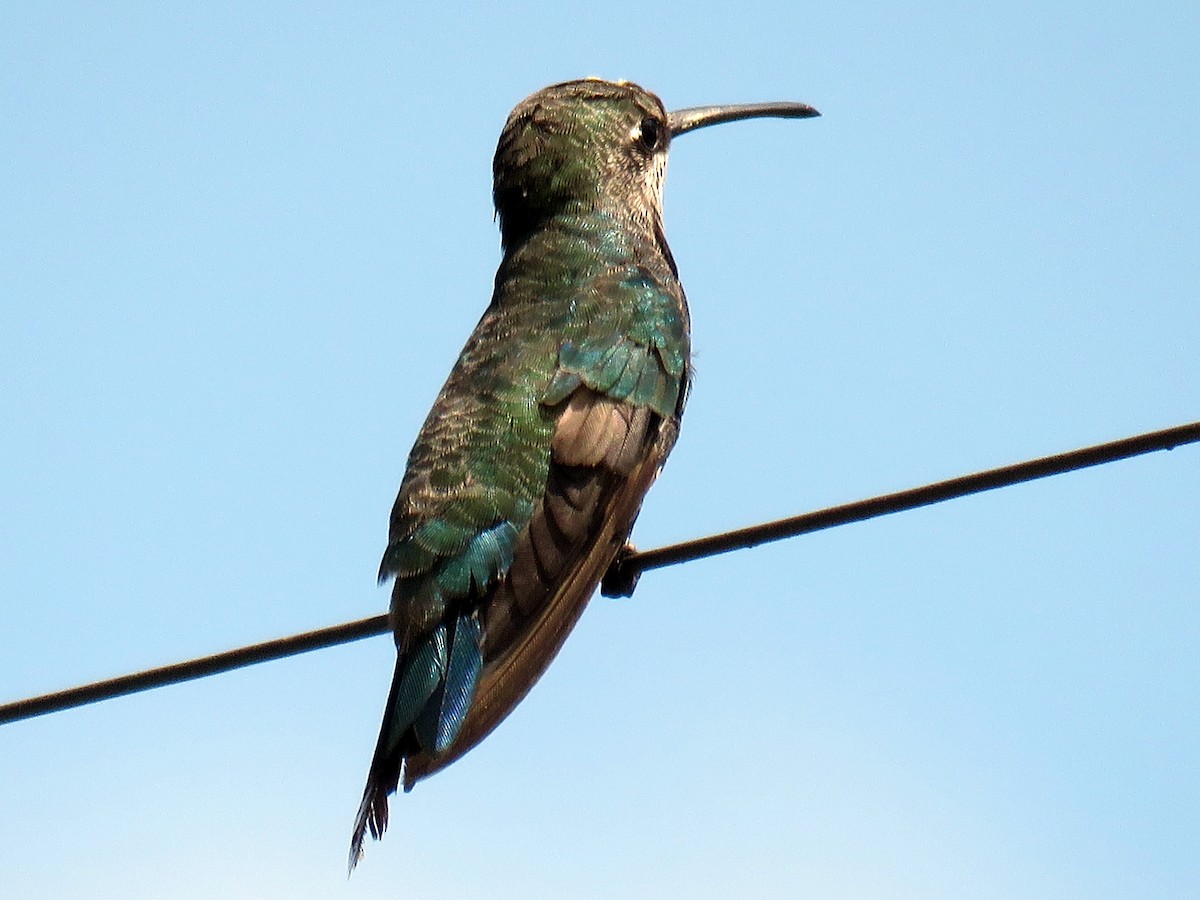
(578, 145)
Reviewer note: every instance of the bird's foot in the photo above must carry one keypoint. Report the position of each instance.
(621, 578)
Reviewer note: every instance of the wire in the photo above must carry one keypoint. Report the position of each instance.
(279, 648)
(622, 576)
(621, 579)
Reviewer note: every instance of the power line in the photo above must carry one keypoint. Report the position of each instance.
(279, 648)
(622, 577)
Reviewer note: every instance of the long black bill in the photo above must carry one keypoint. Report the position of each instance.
(683, 120)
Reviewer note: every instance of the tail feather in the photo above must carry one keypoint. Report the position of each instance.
(372, 812)
(438, 723)
(420, 673)
(432, 689)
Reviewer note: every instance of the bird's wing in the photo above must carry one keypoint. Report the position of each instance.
(605, 455)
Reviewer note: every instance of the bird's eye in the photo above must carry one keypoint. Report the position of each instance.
(650, 133)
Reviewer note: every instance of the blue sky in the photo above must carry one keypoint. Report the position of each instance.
(240, 246)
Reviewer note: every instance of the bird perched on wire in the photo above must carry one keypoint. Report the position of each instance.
(531, 467)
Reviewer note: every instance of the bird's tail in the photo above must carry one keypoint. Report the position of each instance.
(431, 691)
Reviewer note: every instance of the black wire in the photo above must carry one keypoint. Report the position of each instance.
(623, 575)
(279, 648)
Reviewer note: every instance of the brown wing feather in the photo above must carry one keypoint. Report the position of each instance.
(605, 454)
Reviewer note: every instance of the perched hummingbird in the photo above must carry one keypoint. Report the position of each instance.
(528, 473)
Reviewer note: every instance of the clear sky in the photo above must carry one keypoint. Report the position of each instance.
(240, 246)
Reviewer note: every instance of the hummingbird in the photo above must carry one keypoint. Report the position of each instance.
(526, 478)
